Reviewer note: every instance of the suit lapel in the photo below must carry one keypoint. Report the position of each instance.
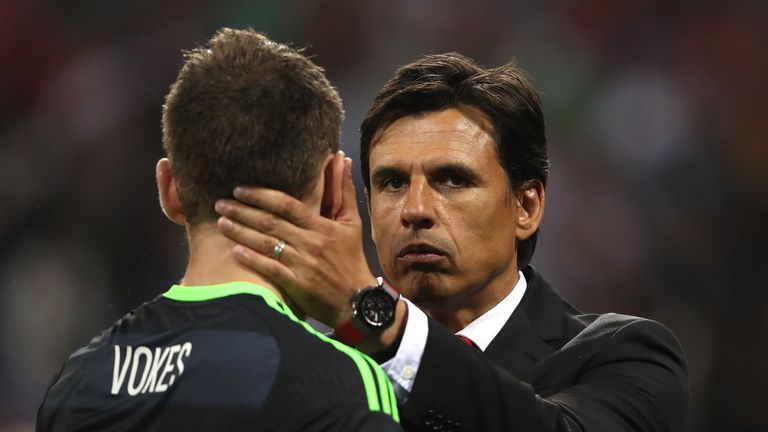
(533, 332)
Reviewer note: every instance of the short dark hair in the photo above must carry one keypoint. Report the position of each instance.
(247, 111)
(504, 95)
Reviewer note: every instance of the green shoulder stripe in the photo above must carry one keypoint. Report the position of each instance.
(373, 377)
(382, 400)
(386, 393)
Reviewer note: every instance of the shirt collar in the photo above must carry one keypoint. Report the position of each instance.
(485, 327)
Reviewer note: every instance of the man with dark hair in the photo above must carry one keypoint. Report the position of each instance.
(455, 165)
(223, 350)
(508, 103)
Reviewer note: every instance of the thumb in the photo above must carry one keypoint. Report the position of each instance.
(348, 210)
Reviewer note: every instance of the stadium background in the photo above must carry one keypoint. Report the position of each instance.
(657, 124)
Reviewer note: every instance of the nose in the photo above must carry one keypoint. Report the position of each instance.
(418, 210)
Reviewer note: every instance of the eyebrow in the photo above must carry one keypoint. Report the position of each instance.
(441, 170)
(384, 172)
(459, 170)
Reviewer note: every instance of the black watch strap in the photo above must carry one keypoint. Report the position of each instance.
(357, 327)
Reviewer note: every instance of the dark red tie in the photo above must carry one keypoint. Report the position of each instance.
(467, 341)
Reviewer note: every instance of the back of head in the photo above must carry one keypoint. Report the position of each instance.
(504, 95)
(247, 111)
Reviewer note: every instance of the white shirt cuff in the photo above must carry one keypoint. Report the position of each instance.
(404, 366)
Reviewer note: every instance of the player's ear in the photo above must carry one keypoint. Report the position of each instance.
(530, 208)
(333, 177)
(169, 196)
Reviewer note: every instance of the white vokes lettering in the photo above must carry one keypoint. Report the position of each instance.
(161, 386)
(118, 374)
(150, 371)
(140, 352)
(160, 356)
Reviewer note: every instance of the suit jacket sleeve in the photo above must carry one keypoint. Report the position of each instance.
(618, 374)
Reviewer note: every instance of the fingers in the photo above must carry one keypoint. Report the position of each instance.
(261, 243)
(277, 203)
(274, 270)
(253, 227)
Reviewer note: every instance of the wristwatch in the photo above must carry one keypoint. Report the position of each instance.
(373, 309)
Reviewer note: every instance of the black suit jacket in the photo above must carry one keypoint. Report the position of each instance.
(552, 368)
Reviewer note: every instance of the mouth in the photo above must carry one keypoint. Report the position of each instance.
(420, 253)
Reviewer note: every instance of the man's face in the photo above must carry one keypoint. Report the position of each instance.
(442, 214)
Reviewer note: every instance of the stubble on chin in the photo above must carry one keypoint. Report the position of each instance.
(423, 288)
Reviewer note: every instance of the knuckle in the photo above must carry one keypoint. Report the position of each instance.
(304, 220)
(267, 246)
(311, 261)
(313, 247)
(270, 222)
(286, 206)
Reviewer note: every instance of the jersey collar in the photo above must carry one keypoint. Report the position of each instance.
(198, 293)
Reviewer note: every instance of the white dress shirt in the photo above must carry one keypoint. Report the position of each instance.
(402, 368)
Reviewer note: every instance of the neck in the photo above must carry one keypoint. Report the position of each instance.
(457, 312)
(211, 261)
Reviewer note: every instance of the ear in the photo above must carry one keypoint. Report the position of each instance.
(333, 178)
(166, 189)
(530, 206)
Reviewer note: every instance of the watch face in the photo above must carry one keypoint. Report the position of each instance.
(377, 308)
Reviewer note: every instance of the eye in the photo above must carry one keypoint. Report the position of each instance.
(455, 176)
(392, 184)
(455, 181)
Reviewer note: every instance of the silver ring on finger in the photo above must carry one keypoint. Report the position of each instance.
(278, 250)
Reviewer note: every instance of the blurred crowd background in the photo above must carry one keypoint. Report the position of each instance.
(657, 125)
